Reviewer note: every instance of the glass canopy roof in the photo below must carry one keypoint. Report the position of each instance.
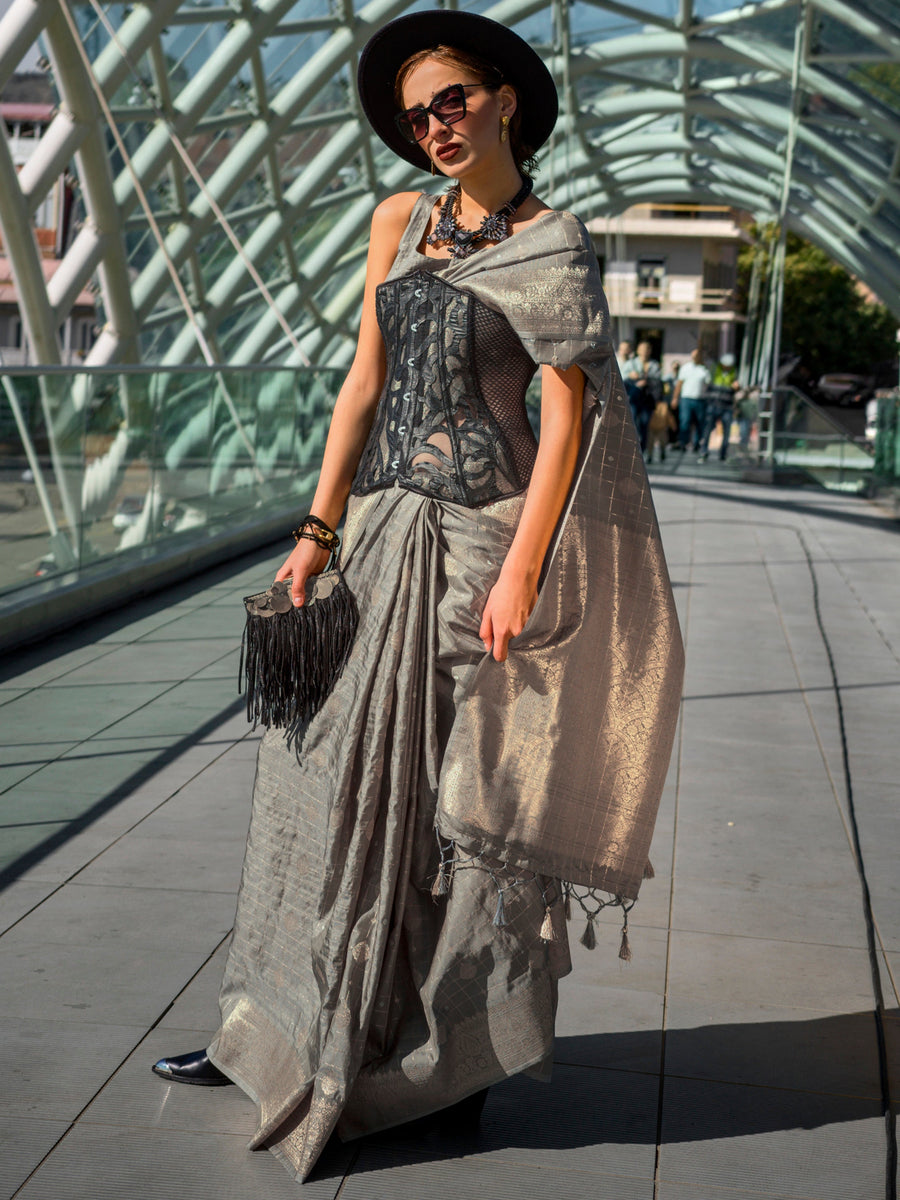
(225, 179)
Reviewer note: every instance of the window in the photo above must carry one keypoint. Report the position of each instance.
(651, 279)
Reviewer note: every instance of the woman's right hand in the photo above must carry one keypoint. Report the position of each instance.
(305, 559)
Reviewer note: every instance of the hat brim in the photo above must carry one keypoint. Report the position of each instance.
(518, 63)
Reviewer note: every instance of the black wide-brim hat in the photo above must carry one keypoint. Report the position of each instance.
(519, 64)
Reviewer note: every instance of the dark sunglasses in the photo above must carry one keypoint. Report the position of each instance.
(449, 106)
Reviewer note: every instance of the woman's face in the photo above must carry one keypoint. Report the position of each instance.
(456, 148)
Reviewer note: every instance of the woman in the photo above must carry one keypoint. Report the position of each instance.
(399, 933)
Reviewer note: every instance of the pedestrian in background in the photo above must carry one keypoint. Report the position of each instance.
(720, 404)
(662, 423)
(643, 385)
(690, 391)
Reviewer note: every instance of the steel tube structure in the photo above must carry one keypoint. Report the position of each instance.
(675, 104)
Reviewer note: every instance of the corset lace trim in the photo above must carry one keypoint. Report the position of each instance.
(451, 421)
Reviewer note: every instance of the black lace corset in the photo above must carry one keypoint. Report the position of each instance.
(451, 420)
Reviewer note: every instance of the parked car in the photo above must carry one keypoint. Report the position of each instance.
(855, 390)
(844, 388)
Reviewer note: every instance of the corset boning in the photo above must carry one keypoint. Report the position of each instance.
(451, 421)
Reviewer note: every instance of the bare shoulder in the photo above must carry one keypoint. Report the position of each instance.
(389, 222)
(393, 212)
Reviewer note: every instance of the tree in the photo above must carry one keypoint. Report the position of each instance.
(828, 321)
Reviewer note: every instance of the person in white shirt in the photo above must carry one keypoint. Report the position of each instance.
(690, 399)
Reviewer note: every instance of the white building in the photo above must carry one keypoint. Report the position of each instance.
(670, 273)
(25, 122)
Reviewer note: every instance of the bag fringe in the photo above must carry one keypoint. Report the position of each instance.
(290, 661)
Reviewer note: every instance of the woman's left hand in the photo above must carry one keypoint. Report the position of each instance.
(508, 607)
(514, 594)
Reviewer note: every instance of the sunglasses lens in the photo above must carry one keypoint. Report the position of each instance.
(450, 106)
(413, 124)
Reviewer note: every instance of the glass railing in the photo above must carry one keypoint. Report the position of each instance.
(112, 464)
(887, 442)
(808, 439)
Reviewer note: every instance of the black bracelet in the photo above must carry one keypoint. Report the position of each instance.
(317, 531)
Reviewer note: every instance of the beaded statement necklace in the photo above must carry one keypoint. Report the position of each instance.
(494, 227)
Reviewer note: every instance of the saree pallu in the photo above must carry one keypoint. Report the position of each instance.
(353, 1000)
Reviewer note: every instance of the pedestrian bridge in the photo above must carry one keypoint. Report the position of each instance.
(209, 181)
(748, 1049)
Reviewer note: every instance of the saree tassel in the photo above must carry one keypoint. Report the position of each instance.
(624, 946)
(567, 907)
(649, 873)
(441, 885)
(547, 932)
(589, 937)
(500, 914)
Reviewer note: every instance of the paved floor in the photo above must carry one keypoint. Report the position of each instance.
(737, 1055)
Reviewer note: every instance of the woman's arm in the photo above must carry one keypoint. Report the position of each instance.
(514, 594)
(357, 399)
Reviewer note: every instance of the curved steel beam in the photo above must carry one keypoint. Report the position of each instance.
(349, 230)
(251, 149)
(725, 142)
(876, 28)
(24, 258)
(222, 294)
(106, 248)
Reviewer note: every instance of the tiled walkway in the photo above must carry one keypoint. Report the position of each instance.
(735, 1057)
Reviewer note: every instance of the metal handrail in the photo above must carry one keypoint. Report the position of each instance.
(195, 368)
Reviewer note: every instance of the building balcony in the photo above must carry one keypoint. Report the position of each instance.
(677, 221)
(676, 297)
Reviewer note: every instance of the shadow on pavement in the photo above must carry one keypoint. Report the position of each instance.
(721, 1081)
(25, 862)
(819, 508)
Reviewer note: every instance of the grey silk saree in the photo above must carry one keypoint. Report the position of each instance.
(399, 932)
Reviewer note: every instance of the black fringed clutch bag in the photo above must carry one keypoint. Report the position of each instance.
(292, 657)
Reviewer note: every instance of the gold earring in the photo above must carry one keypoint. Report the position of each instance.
(504, 123)
(433, 171)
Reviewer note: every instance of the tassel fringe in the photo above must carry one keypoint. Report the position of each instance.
(624, 947)
(591, 901)
(441, 885)
(291, 660)
(589, 937)
(547, 932)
